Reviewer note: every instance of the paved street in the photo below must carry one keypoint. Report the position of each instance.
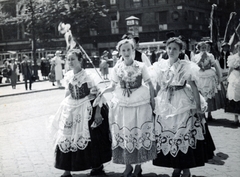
(26, 151)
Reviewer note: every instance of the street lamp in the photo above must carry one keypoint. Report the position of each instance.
(133, 25)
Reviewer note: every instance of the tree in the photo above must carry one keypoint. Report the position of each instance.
(3, 16)
(41, 18)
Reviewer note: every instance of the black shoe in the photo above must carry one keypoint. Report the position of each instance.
(235, 123)
(127, 175)
(176, 173)
(139, 174)
(98, 171)
(210, 118)
(53, 84)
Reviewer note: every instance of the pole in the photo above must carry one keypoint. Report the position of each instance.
(35, 66)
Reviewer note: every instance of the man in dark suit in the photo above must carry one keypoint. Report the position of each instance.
(26, 68)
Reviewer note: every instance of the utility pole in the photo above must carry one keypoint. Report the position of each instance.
(33, 38)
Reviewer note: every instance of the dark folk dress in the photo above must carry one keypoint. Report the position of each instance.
(78, 147)
(183, 140)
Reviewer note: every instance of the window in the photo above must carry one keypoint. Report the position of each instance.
(163, 27)
(136, 0)
(93, 32)
(113, 2)
(114, 27)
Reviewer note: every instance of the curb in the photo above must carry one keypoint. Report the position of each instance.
(34, 91)
(41, 90)
(18, 83)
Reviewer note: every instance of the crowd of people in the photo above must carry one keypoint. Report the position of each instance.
(51, 69)
(157, 112)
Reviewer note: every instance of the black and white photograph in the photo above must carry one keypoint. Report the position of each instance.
(119, 88)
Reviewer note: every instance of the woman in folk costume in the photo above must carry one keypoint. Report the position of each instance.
(80, 131)
(130, 113)
(183, 139)
(209, 82)
(233, 89)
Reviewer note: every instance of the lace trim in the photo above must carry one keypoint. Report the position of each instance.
(181, 139)
(136, 138)
(73, 131)
(66, 144)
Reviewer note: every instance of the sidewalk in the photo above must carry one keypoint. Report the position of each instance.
(38, 86)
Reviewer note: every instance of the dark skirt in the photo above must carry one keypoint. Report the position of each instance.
(232, 106)
(193, 158)
(219, 101)
(95, 154)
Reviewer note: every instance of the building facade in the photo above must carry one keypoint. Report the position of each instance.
(154, 18)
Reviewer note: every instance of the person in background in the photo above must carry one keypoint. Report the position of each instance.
(45, 68)
(138, 56)
(18, 71)
(51, 75)
(210, 77)
(114, 57)
(233, 89)
(7, 71)
(80, 131)
(104, 65)
(225, 52)
(26, 68)
(13, 77)
(130, 114)
(153, 57)
(58, 67)
(183, 139)
(1, 76)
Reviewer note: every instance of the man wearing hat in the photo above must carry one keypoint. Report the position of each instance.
(138, 56)
(225, 52)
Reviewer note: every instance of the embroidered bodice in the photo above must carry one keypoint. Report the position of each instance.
(204, 60)
(78, 84)
(130, 77)
(79, 92)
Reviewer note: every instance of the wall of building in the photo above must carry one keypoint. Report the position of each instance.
(189, 18)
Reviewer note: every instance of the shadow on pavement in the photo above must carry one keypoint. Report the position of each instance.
(119, 174)
(222, 122)
(112, 174)
(218, 159)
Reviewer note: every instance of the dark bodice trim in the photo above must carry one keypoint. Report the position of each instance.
(81, 92)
